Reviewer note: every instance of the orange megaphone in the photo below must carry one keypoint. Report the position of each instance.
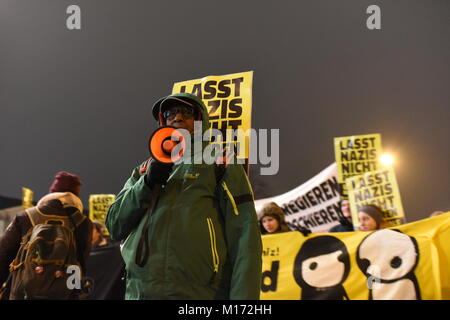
(167, 144)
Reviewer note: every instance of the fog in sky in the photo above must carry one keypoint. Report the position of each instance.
(80, 100)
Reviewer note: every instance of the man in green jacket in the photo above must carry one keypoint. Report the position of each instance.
(202, 238)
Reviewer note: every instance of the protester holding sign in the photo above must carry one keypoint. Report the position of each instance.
(378, 188)
(371, 218)
(312, 206)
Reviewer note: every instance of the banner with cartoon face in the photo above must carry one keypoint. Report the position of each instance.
(408, 262)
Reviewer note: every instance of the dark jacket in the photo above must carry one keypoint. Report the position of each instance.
(10, 240)
(343, 226)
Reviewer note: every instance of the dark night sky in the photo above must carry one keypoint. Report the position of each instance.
(80, 100)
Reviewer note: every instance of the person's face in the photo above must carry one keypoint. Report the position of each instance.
(366, 222)
(345, 207)
(180, 116)
(270, 224)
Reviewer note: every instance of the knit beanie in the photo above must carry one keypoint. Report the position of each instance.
(66, 182)
(374, 212)
(271, 209)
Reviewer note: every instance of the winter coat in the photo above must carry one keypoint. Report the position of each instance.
(203, 235)
(53, 204)
(343, 226)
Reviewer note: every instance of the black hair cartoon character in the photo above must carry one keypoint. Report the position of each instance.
(388, 258)
(321, 267)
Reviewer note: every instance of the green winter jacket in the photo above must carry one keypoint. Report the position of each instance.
(203, 235)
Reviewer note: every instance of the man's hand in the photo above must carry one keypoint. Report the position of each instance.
(158, 173)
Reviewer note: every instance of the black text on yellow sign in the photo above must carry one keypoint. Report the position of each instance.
(228, 99)
(27, 198)
(98, 206)
(356, 155)
(379, 188)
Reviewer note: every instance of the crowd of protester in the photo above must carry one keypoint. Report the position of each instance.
(215, 214)
(370, 217)
(92, 236)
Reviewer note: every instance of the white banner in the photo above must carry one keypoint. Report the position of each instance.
(313, 205)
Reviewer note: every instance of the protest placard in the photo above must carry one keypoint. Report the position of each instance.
(356, 155)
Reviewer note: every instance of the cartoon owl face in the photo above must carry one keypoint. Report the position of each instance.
(324, 271)
(387, 254)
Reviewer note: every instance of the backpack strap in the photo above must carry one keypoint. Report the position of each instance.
(37, 217)
(71, 222)
(77, 218)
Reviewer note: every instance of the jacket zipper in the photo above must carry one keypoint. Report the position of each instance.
(230, 196)
(212, 237)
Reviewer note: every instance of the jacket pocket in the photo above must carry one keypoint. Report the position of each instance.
(230, 197)
(214, 253)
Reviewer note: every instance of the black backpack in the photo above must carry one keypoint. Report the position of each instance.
(39, 270)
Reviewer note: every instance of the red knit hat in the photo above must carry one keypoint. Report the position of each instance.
(66, 182)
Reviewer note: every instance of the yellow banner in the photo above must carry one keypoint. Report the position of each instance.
(379, 188)
(98, 207)
(356, 155)
(228, 99)
(27, 198)
(410, 262)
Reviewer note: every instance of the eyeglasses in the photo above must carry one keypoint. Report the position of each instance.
(172, 112)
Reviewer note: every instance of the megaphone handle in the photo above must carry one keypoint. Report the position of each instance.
(143, 248)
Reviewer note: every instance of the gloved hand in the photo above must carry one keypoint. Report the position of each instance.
(158, 173)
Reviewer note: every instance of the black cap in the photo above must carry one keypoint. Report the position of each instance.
(186, 99)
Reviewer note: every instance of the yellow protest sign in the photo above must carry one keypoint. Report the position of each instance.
(98, 207)
(27, 198)
(408, 262)
(228, 99)
(356, 155)
(379, 188)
